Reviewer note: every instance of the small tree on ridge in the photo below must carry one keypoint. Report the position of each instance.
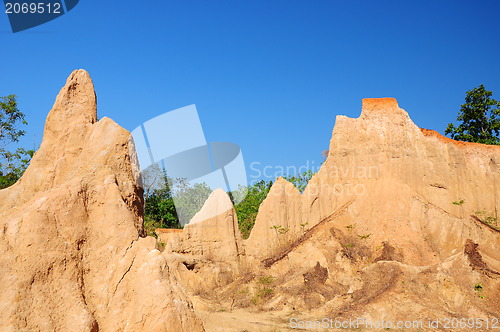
(479, 117)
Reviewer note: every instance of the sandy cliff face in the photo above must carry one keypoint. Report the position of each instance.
(389, 228)
(400, 183)
(384, 225)
(396, 181)
(72, 256)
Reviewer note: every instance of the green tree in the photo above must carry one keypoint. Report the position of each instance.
(159, 209)
(248, 208)
(300, 181)
(12, 163)
(168, 202)
(479, 117)
(189, 198)
(161, 192)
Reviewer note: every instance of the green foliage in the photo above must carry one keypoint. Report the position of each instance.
(364, 237)
(459, 202)
(266, 280)
(488, 219)
(189, 198)
(264, 289)
(300, 181)
(12, 163)
(159, 210)
(160, 192)
(280, 229)
(10, 118)
(150, 224)
(479, 117)
(265, 292)
(478, 287)
(247, 209)
(160, 245)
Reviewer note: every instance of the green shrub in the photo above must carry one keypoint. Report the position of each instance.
(247, 209)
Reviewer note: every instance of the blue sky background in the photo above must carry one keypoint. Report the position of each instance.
(268, 75)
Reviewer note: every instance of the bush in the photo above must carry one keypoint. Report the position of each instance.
(247, 209)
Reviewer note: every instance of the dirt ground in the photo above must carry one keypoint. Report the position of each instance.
(240, 320)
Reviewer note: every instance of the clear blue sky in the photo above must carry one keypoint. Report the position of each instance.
(268, 75)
